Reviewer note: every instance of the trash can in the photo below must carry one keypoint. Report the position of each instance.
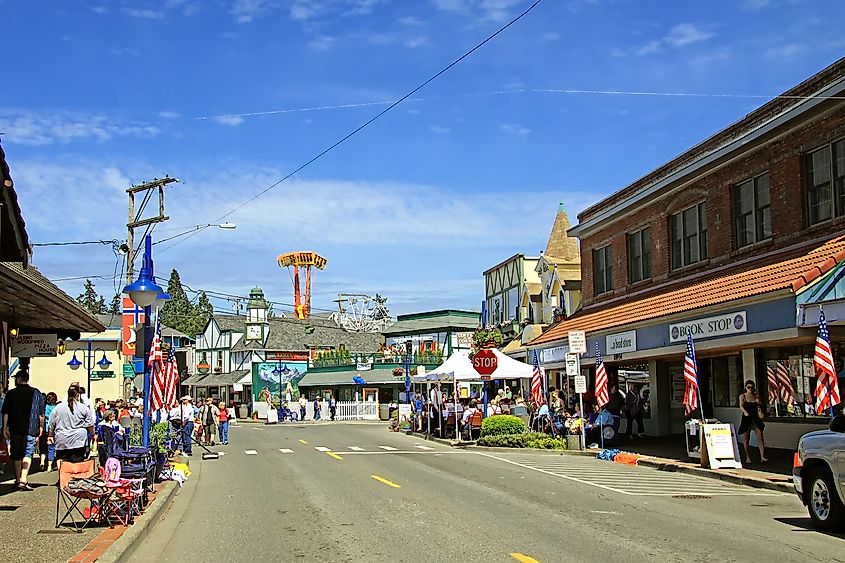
(243, 412)
(692, 431)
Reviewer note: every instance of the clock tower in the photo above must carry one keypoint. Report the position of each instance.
(257, 327)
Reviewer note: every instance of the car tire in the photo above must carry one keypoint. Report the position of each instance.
(823, 502)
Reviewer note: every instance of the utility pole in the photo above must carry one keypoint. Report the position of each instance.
(135, 220)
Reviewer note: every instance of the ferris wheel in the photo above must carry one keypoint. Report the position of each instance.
(358, 312)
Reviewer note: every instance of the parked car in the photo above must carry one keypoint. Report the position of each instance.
(819, 474)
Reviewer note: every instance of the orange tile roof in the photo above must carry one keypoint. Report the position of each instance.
(792, 274)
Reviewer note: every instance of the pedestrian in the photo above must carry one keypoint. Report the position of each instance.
(633, 411)
(418, 410)
(332, 406)
(209, 415)
(47, 450)
(436, 398)
(317, 407)
(303, 403)
(223, 426)
(72, 429)
(183, 417)
(23, 423)
(288, 394)
(752, 420)
(616, 401)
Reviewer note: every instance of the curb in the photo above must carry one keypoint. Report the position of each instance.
(754, 482)
(532, 451)
(123, 546)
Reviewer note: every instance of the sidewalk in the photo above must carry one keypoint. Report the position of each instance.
(28, 521)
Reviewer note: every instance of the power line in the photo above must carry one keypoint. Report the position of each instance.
(369, 121)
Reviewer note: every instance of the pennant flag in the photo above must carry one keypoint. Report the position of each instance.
(602, 396)
(691, 377)
(537, 383)
(827, 387)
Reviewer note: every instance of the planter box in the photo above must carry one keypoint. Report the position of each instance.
(574, 442)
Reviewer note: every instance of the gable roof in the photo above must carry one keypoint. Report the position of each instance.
(788, 275)
(14, 242)
(289, 335)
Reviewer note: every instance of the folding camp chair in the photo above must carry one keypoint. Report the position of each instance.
(474, 426)
(127, 500)
(79, 482)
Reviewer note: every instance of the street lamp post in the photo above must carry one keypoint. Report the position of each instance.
(280, 372)
(89, 357)
(143, 292)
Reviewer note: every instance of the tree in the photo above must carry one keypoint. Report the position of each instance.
(92, 301)
(178, 313)
(114, 306)
(202, 311)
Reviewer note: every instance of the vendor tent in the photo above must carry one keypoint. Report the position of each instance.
(459, 368)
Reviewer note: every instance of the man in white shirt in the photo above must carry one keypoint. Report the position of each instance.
(183, 416)
(436, 398)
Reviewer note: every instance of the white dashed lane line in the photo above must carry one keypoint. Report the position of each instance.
(250, 452)
(286, 450)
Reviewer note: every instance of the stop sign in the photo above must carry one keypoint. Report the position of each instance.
(485, 362)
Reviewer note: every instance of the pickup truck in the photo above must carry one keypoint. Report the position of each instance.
(818, 475)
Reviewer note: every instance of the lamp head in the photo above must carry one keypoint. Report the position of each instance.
(74, 363)
(227, 225)
(61, 347)
(143, 291)
(161, 299)
(104, 363)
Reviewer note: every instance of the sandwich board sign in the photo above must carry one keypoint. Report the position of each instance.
(718, 447)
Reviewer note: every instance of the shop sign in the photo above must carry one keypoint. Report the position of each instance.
(721, 325)
(554, 355)
(578, 341)
(463, 339)
(621, 342)
(34, 346)
(287, 357)
(363, 367)
(128, 371)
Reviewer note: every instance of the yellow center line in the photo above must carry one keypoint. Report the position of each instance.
(334, 455)
(523, 558)
(303, 442)
(386, 482)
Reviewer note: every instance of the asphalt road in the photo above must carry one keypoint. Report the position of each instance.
(356, 492)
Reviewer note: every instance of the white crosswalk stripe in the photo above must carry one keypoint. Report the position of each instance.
(356, 449)
(420, 446)
(322, 449)
(388, 448)
(626, 479)
(286, 450)
(250, 452)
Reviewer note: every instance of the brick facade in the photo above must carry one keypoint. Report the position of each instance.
(782, 159)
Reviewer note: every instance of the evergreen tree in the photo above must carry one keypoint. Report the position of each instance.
(114, 306)
(91, 300)
(202, 311)
(178, 313)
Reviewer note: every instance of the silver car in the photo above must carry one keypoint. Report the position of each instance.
(819, 474)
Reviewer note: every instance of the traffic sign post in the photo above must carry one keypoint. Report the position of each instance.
(485, 362)
(577, 346)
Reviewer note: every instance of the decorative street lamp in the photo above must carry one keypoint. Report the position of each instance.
(279, 372)
(89, 357)
(143, 292)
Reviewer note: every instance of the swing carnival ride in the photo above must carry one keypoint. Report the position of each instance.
(293, 261)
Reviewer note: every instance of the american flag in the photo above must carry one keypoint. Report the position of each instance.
(171, 378)
(827, 387)
(601, 380)
(772, 381)
(155, 347)
(784, 384)
(537, 383)
(691, 378)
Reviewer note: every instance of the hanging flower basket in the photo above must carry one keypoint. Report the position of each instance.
(485, 338)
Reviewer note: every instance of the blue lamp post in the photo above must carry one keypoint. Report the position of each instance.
(408, 350)
(89, 357)
(279, 372)
(143, 292)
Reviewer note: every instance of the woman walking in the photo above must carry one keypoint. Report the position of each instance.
(71, 429)
(223, 425)
(48, 450)
(752, 420)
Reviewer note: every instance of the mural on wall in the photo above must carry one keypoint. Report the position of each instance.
(266, 383)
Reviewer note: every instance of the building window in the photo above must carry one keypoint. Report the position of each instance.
(689, 236)
(826, 182)
(603, 269)
(752, 211)
(639, 255)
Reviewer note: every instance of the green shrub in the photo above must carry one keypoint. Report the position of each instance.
(532, 440)
(502, 424)
(158, 437)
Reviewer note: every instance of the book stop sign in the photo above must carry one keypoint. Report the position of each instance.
(485, 363)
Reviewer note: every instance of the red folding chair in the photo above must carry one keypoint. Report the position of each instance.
(80, 482)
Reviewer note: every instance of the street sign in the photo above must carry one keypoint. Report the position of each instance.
(580, 384)
(485, 362)
(102, 374)
(572, 367)
(577, 342)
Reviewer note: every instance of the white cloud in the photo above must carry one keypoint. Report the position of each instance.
(648, 49)
(231, 120)
(514, 129)
(411, 21)
(245, 11)
(30, 128)
(786, 53)
(550, 36)
(144, 14)
(753, 5)
(322, 43)
(440, 130)
(415, 42)
(124, 51)
(492, 10)
(229, 35)
(169, 114)
(686, 34)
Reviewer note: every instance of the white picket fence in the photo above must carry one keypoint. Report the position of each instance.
(356, 410)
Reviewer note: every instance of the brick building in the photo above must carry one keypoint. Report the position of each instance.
(738, 240)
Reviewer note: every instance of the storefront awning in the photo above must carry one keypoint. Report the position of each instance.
(216, 379)
(336, 378)
(787, 276)
(35, 304)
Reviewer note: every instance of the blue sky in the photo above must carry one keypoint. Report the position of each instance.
(99, 95)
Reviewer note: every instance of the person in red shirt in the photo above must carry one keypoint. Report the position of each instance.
(223, 424)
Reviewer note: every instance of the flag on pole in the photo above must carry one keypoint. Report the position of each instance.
(785, 390)
(691, 377)
(602, 396)
(155, 347)
(171, 379)
(537, 383)
(772, 381)
(827, 387)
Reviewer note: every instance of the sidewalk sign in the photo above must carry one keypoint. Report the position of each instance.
(719, 448)
(272, 416)
(404, 412)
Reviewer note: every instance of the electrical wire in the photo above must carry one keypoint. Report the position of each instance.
(369, 121)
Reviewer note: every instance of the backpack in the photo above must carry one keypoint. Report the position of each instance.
(111, 471)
